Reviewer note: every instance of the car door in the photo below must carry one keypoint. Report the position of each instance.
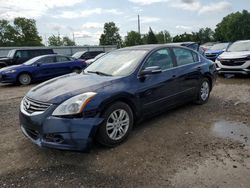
(188, 72)
(64, 65)
(157, 91)
(46, 67)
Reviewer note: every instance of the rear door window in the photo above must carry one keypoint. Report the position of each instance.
(62, 59)
(185, 56)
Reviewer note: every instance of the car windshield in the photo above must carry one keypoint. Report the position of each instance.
(117, 63)
(221, 46)
(11, 53)
(239, 46)
(31, 61)
(77, 55)
(100, 55)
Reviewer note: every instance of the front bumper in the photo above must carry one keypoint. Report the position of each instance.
(6, 78)
(236, 69)
(45, 130)
(233, 71)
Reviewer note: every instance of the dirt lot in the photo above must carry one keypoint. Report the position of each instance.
(192, 146)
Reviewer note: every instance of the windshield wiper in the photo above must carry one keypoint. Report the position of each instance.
(99, 73)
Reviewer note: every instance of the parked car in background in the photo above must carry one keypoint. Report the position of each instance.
(90, 61)
(41, 68)
(85, 55)
(208, 45)
(216, 50)
(19, 56)
(236, 59)
(193, 45)
(105, 101)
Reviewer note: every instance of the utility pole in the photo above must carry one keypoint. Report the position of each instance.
(139, 25)
(73, 37)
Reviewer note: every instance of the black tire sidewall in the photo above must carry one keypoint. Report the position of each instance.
(102, 136)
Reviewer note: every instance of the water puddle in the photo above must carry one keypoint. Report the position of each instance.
(233, 130)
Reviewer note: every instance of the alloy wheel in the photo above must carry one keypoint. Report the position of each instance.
(117, 124)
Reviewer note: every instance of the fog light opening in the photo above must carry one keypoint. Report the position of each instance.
(54, 138)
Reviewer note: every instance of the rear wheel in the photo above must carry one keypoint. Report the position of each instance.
(24, 79)
(116, 126)
(203, 92)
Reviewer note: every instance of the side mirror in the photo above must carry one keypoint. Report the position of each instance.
(151, 70)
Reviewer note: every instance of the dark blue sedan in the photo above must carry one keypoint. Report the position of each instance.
(112, 94)
(41, 68)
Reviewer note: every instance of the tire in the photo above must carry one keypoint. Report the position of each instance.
(77, 70)
(106, 134)
(24, 79)
(203, 92)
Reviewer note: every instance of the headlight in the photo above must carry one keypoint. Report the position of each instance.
(10, 71)
(74, 105)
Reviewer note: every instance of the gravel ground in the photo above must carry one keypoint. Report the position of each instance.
(191, 146)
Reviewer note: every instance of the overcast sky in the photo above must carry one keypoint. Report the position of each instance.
(85, 18)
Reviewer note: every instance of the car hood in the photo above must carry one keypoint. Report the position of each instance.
(13, 67)
(234, 55)
(214, 51)
(59, 89)
(4, 59)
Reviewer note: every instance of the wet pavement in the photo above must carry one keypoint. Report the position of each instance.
(191, 146)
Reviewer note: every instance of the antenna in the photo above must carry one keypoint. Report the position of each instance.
(139, 25)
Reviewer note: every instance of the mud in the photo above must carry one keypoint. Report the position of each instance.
(191, 146)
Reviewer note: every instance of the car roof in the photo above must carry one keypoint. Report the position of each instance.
(150, 47)
(242, 41)
(32, 49)
(51, 55)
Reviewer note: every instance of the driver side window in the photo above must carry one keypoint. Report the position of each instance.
(160, 58)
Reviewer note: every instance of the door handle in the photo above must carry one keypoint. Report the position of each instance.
(199, 68)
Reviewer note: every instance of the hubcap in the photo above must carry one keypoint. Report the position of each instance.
(204, 91)
(25, 79)
(117, 124)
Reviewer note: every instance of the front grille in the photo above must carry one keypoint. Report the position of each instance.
(211, 55)
(32, 106)
(233, 62)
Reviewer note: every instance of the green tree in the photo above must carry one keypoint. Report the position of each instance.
(151, 38)
(22, 32)
(204, 35)
(133, 38)
(68, 42)
(185, 37)
(7, 34)
(27, 34)
(235, 26)
(163, 37)
(110, 35)
(58, 41)
(55, 41)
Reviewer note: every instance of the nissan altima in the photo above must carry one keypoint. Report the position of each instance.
(104, 102)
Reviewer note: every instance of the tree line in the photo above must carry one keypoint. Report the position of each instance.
(235, 26)
(23, 32)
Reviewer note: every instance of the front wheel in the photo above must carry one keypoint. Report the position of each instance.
(117, 125)
(24, 79)
(203, 92)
